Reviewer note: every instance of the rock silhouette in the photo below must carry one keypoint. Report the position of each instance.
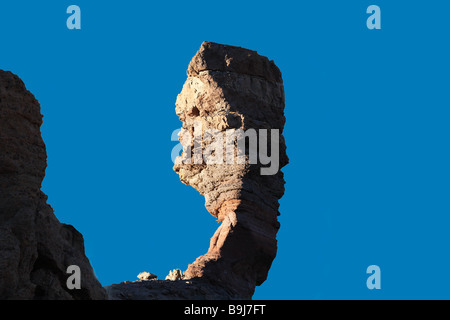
(227, 88)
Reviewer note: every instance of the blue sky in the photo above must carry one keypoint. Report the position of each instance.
(367, 134)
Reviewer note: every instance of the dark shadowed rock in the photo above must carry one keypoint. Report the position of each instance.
(227, 88)
(35, 248)
(197, 289)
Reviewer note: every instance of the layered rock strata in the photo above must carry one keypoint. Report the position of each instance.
(228, 89)
(35, 248)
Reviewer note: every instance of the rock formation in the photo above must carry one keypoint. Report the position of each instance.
(233, 88)
(147, 276)
(175, 275)
(195, 289)
(228, 88)
(35, 248)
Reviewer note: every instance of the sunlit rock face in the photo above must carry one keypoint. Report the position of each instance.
(231, 88)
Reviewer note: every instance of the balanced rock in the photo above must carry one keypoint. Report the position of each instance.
(229, 91)
(230, 88)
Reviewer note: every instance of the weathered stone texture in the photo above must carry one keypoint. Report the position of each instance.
(234, 88)
(35, 248)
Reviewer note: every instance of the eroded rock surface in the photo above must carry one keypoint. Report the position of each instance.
(227, 88)
(175, 275)
(147, 276)
(234, 88)
(35, 248)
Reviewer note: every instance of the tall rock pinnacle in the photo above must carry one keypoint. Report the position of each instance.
(35, 248)
(231, 90)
